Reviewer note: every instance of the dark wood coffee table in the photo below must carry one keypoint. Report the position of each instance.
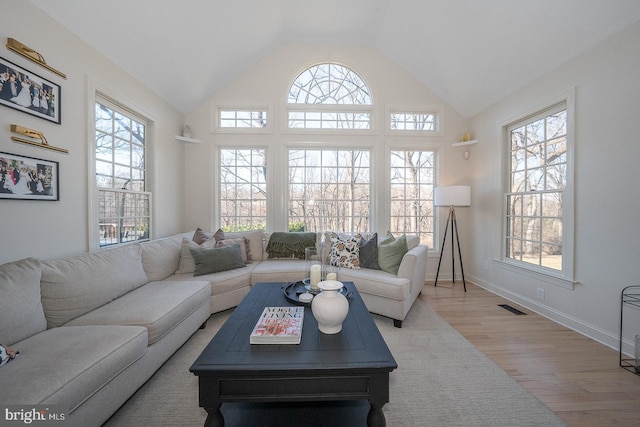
(351, 365)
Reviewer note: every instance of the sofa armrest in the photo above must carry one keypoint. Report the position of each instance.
(413, 267)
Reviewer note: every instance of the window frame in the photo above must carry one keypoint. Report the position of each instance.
(98, 94)
(218, 128)
(427, 110)
(218, 156)
(291, 107)
(434, 212)
(565, 276)
(329, 148)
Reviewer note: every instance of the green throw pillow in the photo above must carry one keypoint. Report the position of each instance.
(390, 253)
(217, 259)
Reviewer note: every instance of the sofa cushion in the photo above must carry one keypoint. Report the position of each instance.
(217, 259)
(74, 286)
(157, 306)
(187, 264)
(345, 251)
(161, 258)
(86, 358)
(290, 244)
(21, 312)
(220, 282)
(279, 270)
(390, 253)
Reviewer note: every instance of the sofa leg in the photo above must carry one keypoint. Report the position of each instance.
(397, 323)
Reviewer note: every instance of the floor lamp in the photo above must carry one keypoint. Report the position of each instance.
(452, 196)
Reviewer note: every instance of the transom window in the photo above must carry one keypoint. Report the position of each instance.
(329, 190)
(535, 200)
(412, 183)
(329, 96)
(243, 189)
(242, 119)
(422, 122)
(123, 203)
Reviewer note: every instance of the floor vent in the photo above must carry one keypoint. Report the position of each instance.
(511, 309)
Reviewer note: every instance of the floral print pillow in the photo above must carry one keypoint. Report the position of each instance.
(345, 251)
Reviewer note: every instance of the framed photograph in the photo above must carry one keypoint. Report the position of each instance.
(27, 178)
(28, 92)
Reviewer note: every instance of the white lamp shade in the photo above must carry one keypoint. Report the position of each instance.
(453, 195)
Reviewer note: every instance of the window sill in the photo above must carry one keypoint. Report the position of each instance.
(544, 276)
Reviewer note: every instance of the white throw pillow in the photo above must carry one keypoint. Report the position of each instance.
(187, 264)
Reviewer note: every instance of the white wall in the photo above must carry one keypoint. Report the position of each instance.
(48, 229)
(607, 199)
(266, 84)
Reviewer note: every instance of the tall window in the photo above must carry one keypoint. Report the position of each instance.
(243, 189)
(329, 190)
(412, 183)
(124, 213)
(329, 96)
(535, 200)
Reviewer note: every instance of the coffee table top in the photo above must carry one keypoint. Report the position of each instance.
(359, 346)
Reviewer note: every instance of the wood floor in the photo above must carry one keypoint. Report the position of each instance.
(576, 377)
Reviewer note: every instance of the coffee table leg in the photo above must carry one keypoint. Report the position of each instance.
(376, 418)
(214, 417)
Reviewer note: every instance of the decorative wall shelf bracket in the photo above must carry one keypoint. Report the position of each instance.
(34, 134)
(32, 55)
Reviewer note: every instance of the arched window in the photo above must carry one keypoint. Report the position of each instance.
(329, 96)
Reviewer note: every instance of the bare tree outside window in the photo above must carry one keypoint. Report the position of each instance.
(123, 204)
(412, 183)
(329, 96)
(243, 119)
(243, 189)
(413, 121)
(329, 189)
(538, 177)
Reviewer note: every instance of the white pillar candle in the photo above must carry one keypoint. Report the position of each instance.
(315, 275)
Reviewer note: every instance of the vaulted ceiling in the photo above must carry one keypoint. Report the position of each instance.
(471, 53)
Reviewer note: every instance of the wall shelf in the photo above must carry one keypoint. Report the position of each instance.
(459, 144)
(185, 139)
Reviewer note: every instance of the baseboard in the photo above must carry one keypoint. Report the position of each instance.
(591, 331)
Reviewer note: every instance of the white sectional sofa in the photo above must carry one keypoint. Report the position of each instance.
(92, 329)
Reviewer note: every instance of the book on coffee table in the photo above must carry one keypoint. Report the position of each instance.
(278, 325)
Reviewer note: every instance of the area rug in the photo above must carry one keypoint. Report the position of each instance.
(441, 380)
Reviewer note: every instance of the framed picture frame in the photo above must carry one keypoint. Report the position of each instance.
(28, 178)
(25, 91)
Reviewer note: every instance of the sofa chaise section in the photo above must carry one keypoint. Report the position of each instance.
(91, 329)
(65, 365)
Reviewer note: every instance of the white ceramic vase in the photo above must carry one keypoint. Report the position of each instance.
(330, 307)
